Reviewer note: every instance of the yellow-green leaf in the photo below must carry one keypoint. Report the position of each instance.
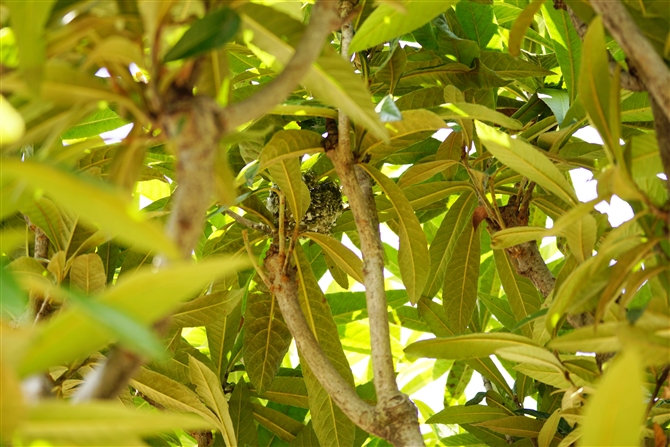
(12, 126)
(468, 346)
(459, 293)
(526, 160)
(549, 429)
(96, 202)
(514, 426)
(461, 110)
(423, 171)
(145, 296)
(521, 24)
(467, 414)
(87, 274)
(413, 255)
(343, 256)
(614, 415)
(208, 386)
(290, 144)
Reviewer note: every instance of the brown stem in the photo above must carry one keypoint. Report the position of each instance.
(249, 223)
(662, 127)
(648, 65)
(323, 21)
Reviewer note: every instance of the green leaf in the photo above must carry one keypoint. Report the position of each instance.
(444, 242)
(208, 386)
(266, 339)
(285, 427)
(567, 45)
(171, 394)
(557, 100)
(12, 127)
(468, 346)
(509, 237)
(288, 391)
(521, 25)
(221, 336)
(477, 21)
(207, 309)
(467, 414)
(343, 256)
(515, 426)
(206, 34)
(521, 293)
(618, 404)
(508, 67)
(289, 145)
(500, 308)
(390, 74)
(96, 123)
(47, 217)
(602, 338)
(100, 423)
(87, 274)
(415, 126)
(306, 437)
(330, 79)
(549, 429)
(28, 20)
(332, 427)
(413, 255)
(285, 171)
(423, 171)
(387, 22)
(96, 202)
(145, 296)
(527, 161)
(581, 237)
(545, 374)
(242, 414)
(14, 299)
(462, 110)
(594, 87)
(459, 294)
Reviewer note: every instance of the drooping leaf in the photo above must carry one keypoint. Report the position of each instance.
(332, 427)
(242, 414)
(96, 123)
(521, 294)
(207, 309)
(476, 111)
(413, 254)
(96, 202)
(343, 256)
(266, 338)
(617, 404)
(387, 22)
(206, 34)
(507, 67)
(209, 388)
(306, 437)
(285, 427)
(526, 160)
(285, 170)
(514, 426)
(459, 293)
(557, 100)
(288, 391)
(423, 171)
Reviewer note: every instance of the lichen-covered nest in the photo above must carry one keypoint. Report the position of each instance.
(324, 208)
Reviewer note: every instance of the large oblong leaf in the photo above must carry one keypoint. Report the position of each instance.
(459, 293)
(526, 160)
(285, 170)
(332, 427)
(521, 25)
(413, 255)
(343, 256)
(96, 202)
(144, 296)
(461, 110)
(331, 79)
(206, 34)
(387, 22)
(615, 414)
(465, 347)
(266, 339)
(567, 45)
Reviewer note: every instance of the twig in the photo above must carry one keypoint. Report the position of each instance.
(323, 21)
(659, 383)
(249, 223)
(282, 223)
(648, 65)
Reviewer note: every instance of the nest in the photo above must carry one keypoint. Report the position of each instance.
(324, 209)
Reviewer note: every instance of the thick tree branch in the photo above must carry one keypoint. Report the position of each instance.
(629, 80)
(662, 127)
(323, 21)
(642, 56)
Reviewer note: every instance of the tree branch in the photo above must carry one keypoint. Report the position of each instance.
(249, 223)
(662, 127)
(323, 21)
(649, 66)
